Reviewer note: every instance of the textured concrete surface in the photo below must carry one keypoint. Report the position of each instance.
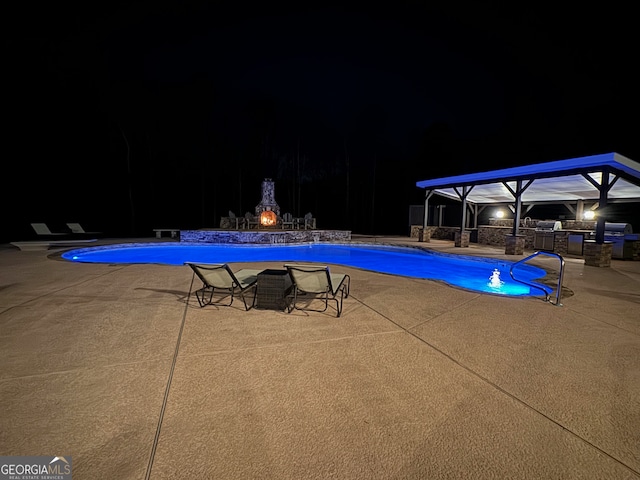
(118, 367)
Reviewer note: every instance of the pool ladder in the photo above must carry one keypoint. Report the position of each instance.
(533, 285)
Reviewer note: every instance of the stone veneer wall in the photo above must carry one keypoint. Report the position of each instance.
(495, 235)
(508, 222)
(561, 242)
(487, 234)
(532, 223)
(264, 236)
(440, 233)
(577, 225)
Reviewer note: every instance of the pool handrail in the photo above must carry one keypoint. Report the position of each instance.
(560, 276)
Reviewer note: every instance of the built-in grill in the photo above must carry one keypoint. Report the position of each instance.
(622, 237)
(545, 233)
(617, 229)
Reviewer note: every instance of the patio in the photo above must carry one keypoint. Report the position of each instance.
(118, 368)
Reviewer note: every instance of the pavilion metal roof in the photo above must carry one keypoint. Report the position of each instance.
(551, 182)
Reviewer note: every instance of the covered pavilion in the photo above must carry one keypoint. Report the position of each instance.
(596, 179)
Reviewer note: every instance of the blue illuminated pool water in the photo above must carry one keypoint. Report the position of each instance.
(472, 273)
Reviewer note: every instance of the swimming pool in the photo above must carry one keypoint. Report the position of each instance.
(471, 273)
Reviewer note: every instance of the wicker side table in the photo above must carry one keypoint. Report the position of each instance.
(272, 289)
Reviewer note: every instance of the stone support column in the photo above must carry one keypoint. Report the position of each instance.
(462, 238)
(597, 254)
(514, 244)
(424, 235)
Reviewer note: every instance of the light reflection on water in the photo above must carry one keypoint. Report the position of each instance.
(472, 273)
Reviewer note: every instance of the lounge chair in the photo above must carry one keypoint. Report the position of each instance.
(43, 229)
(77, 229)
(220, 276)
(318, 282)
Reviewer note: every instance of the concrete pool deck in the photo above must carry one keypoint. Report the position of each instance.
(119, 368)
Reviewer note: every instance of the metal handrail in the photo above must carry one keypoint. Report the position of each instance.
(560, 276)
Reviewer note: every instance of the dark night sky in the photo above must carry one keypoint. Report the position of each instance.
(126, 116)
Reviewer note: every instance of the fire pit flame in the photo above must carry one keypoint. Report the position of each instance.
(268, 218)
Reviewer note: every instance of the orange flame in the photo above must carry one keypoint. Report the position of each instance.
(268, 218)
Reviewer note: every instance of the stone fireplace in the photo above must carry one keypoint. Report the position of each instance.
(268, 210)
(270, 227)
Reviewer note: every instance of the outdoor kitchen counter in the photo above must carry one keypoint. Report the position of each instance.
(558, 242)
(495, 235)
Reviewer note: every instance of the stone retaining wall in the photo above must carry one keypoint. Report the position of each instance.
(264, 236)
